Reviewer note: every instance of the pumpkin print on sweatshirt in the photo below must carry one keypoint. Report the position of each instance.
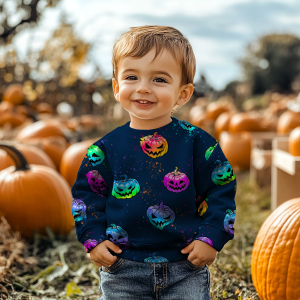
(223, 173)
(154, 145)
(176, 181)
(96, 182)
(229, 221)
(126, 188)
(118, 236)
(205, 240)
(160, 215)
(95, 155)
(186, 125)
(210, 150)
(155, 258)
(78, 210)
(90, 244)
(201, 205)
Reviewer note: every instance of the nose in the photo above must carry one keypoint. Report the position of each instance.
(143, 87)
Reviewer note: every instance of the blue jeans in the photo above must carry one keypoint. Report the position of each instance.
(132, 280)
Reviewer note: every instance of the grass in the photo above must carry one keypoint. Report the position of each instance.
(52, 267)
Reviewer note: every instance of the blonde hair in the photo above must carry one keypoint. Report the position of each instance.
(138, 41)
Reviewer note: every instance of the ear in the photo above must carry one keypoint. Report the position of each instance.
(186, 92)
(115, 87)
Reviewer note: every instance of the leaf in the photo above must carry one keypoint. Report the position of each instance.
(224, 294)
(72, 288)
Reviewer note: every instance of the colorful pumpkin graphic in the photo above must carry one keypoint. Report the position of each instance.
(78, 209)
(229, 221)
(176, 181)
(186, 125)
(155, 259)
(126, 188)
(96, 182)
(202, 208)
(118, 236)
(205, 240)
(90, 244)
(223, 173)
(154, 145)
(95, 155)
(210, 150)
(160, 215)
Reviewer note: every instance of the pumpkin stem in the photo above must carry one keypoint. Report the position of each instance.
(125, 177)
(17, 156)
(175, 170)
(217, 161)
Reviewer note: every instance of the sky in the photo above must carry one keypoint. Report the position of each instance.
(218, 30)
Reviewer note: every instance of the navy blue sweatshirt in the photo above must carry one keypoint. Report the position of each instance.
(153, 191)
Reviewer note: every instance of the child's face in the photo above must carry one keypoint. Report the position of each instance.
(139, 78)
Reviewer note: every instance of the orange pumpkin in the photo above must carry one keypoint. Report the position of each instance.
(34, 196)
(275, 266)
(72, 158)
(14, 94)
(288, 121)
(14, 119)
(237, 149)
(222, 123)
(32, 154)
(44, 108)
(294, 141)
(43, 128)
(214, 109)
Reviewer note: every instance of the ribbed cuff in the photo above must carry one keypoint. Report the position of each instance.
(213, 236)
(92, 237)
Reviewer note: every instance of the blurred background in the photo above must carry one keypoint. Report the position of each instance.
(56, 99)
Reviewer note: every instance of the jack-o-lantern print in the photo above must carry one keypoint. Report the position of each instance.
(155, 258)
(78, 210)
(95, 155)
(202, 208)
(210, 150)
(126, 188)
(176, 181)
(118, 236)
(96, 182)
(160, 215)
(229, 221)
(154, 145)
(223, 173)
(186, 125)
(90, 244)
(205, 240)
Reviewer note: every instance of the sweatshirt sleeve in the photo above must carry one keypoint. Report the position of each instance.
(90, 192)
(215, 185)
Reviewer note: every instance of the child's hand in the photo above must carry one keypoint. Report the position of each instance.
(200, 253)
(101, 256)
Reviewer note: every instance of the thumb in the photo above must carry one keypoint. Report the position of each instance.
(114, 247)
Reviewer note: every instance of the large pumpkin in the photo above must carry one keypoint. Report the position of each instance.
(72, 158)
(275, 266)
(294, 141)
(34, 196)
(244, 122)
(237, 149)
(288, 121)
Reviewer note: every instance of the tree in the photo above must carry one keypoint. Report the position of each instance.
(272, 63)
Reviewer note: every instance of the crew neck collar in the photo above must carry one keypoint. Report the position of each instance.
(138, 133)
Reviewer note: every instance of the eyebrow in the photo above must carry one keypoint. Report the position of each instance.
(156, 71)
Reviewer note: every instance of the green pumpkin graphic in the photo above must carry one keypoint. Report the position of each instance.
(126, 188)
(210, 150)
(223, 173)
(95, 155)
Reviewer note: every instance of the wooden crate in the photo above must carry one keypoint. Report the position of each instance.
(285, 173)
(261, 157)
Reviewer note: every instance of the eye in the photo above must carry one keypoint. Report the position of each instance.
(129, 77)
(161, 79)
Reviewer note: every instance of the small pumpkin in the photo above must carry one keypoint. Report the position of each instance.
(288, 121)
(275, 264)
(214, 109)
(244, 122)
(14, 94)
(34, 196)
(222, 123)
(294, 141)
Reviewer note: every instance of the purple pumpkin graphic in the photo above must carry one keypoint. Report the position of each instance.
(78, 209)
(96, 182)
(90, 244)
(118, 236)
(205, 240)
(160, 215)
(176, 181)
(229, 221)
(155, 259)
